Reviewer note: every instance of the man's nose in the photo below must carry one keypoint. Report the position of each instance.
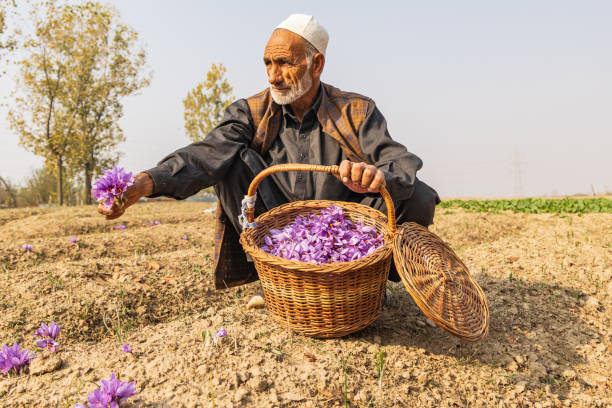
(274, 75)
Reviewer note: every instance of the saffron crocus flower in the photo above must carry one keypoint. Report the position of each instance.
(14, 358)
(120, 227)
(222, 332)
(112, 184)
(27, 247)
(47, 343)
(51, 331)
(74, 240)
(185, 237)
(112, 392)
(156, 222)
(126, 348)
(48, 335)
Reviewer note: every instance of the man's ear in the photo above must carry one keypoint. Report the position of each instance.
(318, 62)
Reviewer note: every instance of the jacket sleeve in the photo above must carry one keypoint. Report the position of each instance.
(396, 162)
(202, 164)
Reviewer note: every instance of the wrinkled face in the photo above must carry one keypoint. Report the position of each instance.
(288, 69)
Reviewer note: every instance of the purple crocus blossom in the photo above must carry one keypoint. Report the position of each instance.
(120, 227)
(74, 240)
(126, 348)
(222, 332)
(185, 237)
(48, 335)
(325, 238)
(112, 184)
(27, 247)
(51, 331)
(47, 343)
(14, 358)
(111, 393)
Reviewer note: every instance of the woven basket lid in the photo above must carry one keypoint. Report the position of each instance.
(440, 283)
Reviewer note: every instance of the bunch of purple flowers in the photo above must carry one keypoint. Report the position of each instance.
(48, 335)
(111, 393)
(324, 238)
(14, 358)
(112, 184)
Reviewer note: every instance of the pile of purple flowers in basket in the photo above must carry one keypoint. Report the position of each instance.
(323, 238)
(112, 184)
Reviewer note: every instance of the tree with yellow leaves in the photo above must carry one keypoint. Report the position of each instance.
(80, 62)
(205, 104)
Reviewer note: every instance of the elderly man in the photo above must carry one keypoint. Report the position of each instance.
(298, 119)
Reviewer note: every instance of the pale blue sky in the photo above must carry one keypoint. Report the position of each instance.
(462, 84)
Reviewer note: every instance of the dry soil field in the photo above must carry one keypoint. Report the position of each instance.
(548, 279)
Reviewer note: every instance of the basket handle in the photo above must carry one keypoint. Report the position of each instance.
(250, 210)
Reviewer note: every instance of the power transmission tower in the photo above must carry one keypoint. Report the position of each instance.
(518, 183)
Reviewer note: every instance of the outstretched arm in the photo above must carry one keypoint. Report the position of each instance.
(194, 167)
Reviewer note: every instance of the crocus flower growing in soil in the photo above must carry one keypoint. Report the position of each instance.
(74, 240)
(47, 343)
(112, 184)
(120, 227)
(221, 333)
(126, 348)
(112, 392)
(48, 334)
(14, 358)
(27, 247)
(185, 237)
(325, 238)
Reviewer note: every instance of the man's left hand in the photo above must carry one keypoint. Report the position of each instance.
(361, 177)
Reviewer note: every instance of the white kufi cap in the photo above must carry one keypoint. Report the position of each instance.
(307, 27)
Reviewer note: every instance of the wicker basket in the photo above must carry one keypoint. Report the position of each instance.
(320, 300)
(336, 299)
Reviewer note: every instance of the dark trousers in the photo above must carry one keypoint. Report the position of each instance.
(419, 208)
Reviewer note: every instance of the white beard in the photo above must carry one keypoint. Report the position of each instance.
(295, 92)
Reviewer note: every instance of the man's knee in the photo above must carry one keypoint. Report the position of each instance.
(420, 207)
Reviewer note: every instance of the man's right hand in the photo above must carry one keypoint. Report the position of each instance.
(142, 187)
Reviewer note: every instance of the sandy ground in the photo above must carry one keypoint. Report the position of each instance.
(548, 278)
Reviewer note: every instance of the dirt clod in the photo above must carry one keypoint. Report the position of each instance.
(45, 363)
(568, 374)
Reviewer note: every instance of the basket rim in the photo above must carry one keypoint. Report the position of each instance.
(249, 246)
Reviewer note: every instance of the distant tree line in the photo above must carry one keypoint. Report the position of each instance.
(79, 62)
(75, 68)
(39, 188)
